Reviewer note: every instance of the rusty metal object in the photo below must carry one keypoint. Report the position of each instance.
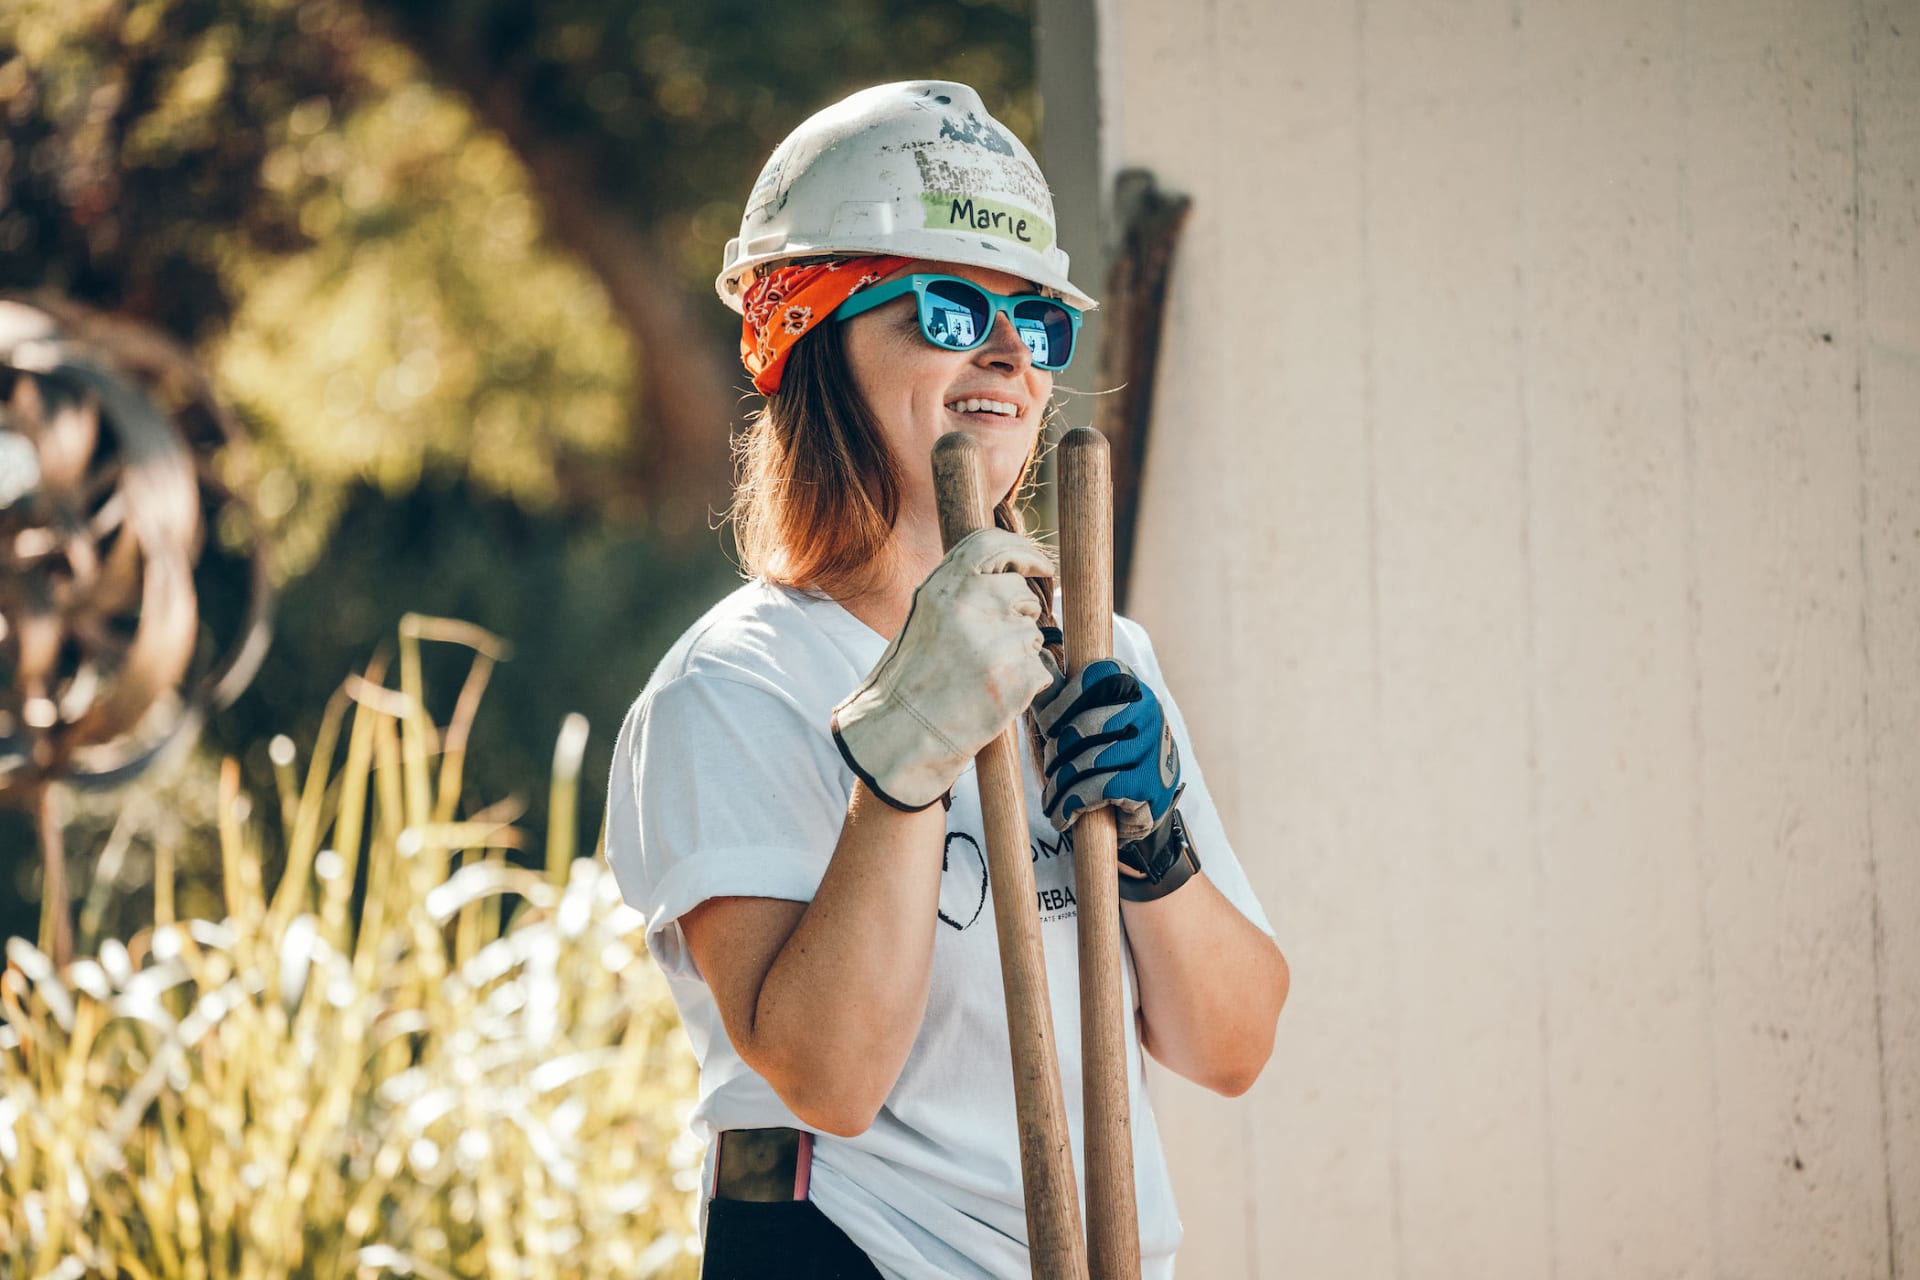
(109, 441)
(108, 436)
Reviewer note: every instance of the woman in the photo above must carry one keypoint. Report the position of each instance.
(793, 805)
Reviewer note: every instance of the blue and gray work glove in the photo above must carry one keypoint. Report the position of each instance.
(1108, 743)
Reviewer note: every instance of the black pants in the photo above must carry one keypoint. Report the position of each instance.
(778, 1240)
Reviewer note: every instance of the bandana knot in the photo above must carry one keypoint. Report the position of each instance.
(781, 306)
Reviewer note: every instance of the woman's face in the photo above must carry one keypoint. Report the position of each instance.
(919, 392)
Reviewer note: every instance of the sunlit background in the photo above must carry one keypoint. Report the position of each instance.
(450, 265)
(1529, 530)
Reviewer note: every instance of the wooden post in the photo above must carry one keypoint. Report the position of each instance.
(1150, 221)
(56, 911)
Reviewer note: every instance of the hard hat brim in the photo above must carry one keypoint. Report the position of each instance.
(929, 246)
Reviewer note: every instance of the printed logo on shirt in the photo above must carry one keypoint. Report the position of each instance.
(1046, 851)
(963, 880)
(1053, 878)
(1055, 904)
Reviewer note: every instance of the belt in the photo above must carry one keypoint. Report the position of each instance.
(762, 1164)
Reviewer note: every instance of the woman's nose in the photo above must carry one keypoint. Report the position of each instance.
(1004, 348)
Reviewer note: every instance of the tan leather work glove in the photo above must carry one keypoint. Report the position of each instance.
(966, 663)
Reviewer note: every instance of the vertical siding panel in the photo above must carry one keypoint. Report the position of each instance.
(1888, 353)
(1599, 334)
(1292, 313)
(1451, 510)
(1533, 534)
(1788, 892)
(1181, 562)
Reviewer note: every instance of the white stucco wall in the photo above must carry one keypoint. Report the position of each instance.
(1532, 532)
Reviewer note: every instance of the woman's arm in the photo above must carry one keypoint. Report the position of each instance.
(824, 998)
(1211, 985)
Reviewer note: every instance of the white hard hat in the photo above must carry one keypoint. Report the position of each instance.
(916, 169)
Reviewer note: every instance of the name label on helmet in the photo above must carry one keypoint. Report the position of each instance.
(974, 214)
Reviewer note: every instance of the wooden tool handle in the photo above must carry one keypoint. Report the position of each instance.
(1046, 1153)
(1086, 584)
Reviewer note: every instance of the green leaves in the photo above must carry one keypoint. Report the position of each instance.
(452, 262)
(429, 327)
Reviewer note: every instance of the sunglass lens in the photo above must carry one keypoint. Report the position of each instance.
(1047, 329)
(954, 315)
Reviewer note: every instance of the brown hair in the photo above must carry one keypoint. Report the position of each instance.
(817, 489)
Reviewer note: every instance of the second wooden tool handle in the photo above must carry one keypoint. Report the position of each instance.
(1086, 586)
(1046, 1153)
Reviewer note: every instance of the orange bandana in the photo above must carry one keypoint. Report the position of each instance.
(786, 302)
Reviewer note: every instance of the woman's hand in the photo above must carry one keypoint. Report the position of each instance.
(966, 663)
(1108, 744)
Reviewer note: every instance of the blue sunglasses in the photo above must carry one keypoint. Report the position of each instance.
(958, 315)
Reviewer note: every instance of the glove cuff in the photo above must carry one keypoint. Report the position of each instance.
(1166, 855)
(900, 770)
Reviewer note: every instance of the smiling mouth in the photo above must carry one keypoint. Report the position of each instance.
(983, 407)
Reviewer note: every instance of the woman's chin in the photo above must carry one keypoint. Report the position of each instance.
(1007, 441)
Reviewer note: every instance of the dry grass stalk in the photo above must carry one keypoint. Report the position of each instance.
(425, 1091)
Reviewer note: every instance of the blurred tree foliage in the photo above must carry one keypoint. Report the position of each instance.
(452, 264)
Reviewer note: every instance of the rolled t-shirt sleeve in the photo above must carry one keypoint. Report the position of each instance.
(721, 788)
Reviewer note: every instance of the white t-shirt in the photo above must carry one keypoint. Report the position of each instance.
(727, 783)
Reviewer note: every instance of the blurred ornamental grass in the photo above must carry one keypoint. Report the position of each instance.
(478, 1072)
